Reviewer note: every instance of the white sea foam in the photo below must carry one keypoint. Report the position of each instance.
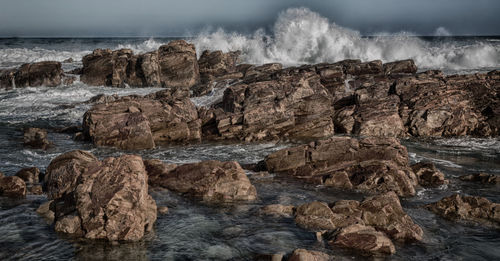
(144, 47)
(301, 36)
(15, 56)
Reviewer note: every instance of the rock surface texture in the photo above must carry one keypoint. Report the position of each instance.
(100, 199)
(36, 138)
(47, 73)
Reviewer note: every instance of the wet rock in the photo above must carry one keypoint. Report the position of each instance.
(135, 122)
(370, 164)
(12, 187)
(309, 255)
(70, 224)
(263, 72)
(98, 68)
(39, 74)
(216, 64)
(364, 239)
(482, 178)
(357, 69)
(44, 211)
(157, 169)
(178, 65)
(315, 216)
(210, 181)
(7, 78)
(468, 208)
(428, 175)
(35, 189)
(64, 171)
(398, 67)
(29, 175)
(36, 138)
(163, 210)
(268, 257)
(277, 210)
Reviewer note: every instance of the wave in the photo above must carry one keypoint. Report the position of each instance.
(15, 56)
(301, 36)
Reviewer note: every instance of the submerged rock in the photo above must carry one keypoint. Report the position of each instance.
(36, 138)
(428, 175)
(482, 178)
(364, 239)
(277, 210)
(102, 199)
(12, 187)
(468, 208)
(208, 180)
(369, 164)
(29, 175)
(309, 255)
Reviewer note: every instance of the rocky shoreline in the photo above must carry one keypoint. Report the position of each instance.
(344, 119)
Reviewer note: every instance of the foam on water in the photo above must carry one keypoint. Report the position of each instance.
(11, 57)
(301, 36)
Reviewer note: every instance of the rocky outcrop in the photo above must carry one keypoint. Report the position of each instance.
(102, 199)
(468, 208)
(428, 175)
(309, 255)
(36, 138)
(293, 105)
(135, 122)
(364, 239)
(173, 65)
(48, 73)
(217, 64)
(12, 187)
(482, 178)
(211, 181)
(369, 164)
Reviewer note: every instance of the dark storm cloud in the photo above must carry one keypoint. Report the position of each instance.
(183, 17)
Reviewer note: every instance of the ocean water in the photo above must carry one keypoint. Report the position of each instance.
(196, 231)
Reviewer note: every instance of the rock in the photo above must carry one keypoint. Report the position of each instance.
(63, 173)
(39, 74)
(370, 164)
(277, 210)
(397, 67)
(135, 122)
(7, 78)
(309, 255)
(357, 69)
(156, 170)
(102, 199)
(35, 190)
(29, 175)
(364, 239)
(482, 178)
(36, 138)
(162, 210)
(216, 64)
(383, 212)
(44, 211)
(428, 175)
(178, 65)
(210, 181)
(12, 187)
(468, 208)
(98, 68)
(268, 257)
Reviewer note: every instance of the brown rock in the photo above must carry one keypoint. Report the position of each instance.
(36, 138)
(482, 178)
(157, 170)
(163, 210)
(12, 187)
(64, 171)
(216, 64)
(178, 65)
(98, 68)
(210, 181)
(403, 66)
(35, 190)
(7, 78)
(370, 164)
(364, 239)
(29, 175)
(44, 211)
(428, 175)
(39, 74)
(316, 216)
(309, 255)
(70, 224)
(468, 208)
(277, 210)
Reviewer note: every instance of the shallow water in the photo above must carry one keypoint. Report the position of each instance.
(192, 230)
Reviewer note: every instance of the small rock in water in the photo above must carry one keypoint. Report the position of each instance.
(162, 210)
(309, 255)
(428, 175)
(277, 210)
(12, 187)
(36, 138)
(482, 177)
(44, 211)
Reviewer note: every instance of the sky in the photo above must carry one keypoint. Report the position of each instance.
(155, 18)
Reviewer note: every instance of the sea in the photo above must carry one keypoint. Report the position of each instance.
(196, 231)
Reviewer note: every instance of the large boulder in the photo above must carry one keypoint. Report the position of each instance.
(364, 239)
(468, 208)
(101, 199)
(39, 74)
(369, 164)
(211, 181)
(98, 68)
(36, 138)
(12, 187)
(216, 64)
(134, 122)
(178, 65)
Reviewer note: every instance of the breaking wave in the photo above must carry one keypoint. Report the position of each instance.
(301, 36)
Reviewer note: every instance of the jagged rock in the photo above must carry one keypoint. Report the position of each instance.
(277, 210)
(397, 67)
(309, 255)
(36, 138)
(364, 239)
(44, 211)
(369, 164)
(178, 65)
(357, 69)
(29, 175)
(98, 68)
(12, 187)
(468, 208)
(482, 177)
(35, 189)
(263, 72)
(216, 64)
(135, 122)
(39, 74)
(157, 169)
(210, 181)
(428, 175)
(316, 216)
(64, 171)
(7, 78)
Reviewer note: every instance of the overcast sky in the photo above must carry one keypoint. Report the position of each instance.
(87, 18)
